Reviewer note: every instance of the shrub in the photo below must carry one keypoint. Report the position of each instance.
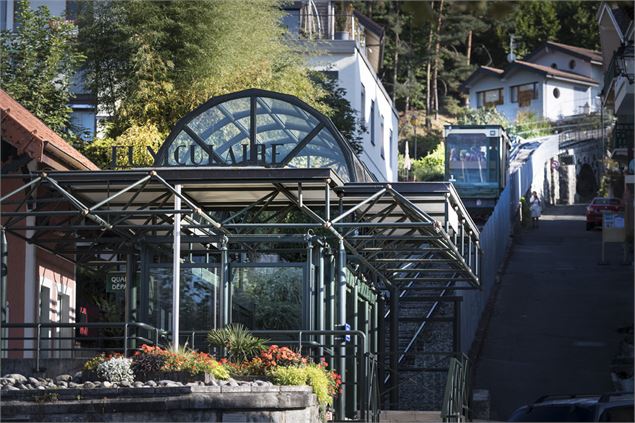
(116, 370)
(155, 359)
(92, 364)
(288, 375)
(148, 360)
(325, 384)
(281, 356)
(240, 345)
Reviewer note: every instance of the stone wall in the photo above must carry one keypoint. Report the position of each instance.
(283, 404)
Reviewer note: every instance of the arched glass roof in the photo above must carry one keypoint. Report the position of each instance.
(260, 128)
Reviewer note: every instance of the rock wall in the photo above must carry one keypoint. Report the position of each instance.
(283, 404)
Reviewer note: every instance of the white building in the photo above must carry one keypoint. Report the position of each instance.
(555, 81)
(349, 47)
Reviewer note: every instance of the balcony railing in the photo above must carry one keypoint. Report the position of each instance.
(304, 24)
(610, 74)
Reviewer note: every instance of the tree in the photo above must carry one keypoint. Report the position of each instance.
(152, 62)
(344, 117)
(37, 63)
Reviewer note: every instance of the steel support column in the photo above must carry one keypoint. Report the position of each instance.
(176, 269)
(394, 347)
(341, 321)
(320, 299)
(225, 298)
(381, 341)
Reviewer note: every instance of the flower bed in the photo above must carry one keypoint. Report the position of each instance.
(247, 359)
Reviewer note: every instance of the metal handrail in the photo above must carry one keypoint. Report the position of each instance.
(38, 348)
(455, 406)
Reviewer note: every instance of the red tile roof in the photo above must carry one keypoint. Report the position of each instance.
(588, 53)
(31, 136)
(554, 72)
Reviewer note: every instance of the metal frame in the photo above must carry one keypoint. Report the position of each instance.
(357, 170)
(395, 237)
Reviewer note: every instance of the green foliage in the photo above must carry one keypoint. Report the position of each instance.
(282, 375)
(324, 384)
(273, 296)
(528, 125)
(534, 22)
(152, 62)
(151, 359)
(138, 137)
(344, 117)
(481, 116)
(432, 166)
(240, 345)
(37, 63)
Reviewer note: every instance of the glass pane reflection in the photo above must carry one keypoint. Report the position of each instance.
(199, 303)
(267, 297)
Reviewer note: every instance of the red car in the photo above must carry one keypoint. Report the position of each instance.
(598, 206)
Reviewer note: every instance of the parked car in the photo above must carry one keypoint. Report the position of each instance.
(614, 407)
(598, 206)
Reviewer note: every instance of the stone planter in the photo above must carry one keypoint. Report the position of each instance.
(183, 377)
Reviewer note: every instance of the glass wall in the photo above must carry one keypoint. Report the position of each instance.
(267, 297)
(199, 297)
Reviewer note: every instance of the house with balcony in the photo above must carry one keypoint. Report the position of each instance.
(554, 82)
(348, 47)
(615, 22)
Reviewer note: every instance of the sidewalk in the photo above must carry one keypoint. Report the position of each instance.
(555, 320)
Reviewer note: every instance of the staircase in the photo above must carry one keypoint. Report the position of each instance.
(426, 341)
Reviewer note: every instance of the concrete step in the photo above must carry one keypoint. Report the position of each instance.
(409, 416)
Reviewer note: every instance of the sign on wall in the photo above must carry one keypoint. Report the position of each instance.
(116, 282)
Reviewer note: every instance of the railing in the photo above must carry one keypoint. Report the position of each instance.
(455, 407)
(609, 75)
(50, 340)
(327, 26)
(44, 340)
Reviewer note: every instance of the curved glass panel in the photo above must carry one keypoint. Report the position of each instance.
(323, 151)
(282, 133)
(184, 151)
(224, 127)
(281, 126)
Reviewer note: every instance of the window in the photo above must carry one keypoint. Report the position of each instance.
(489, 98)
(390, 143)
(372, 122)
(572, 64)
(362, 104)
(83, 122)
(523, 94)
(381, 138)
(556, 93)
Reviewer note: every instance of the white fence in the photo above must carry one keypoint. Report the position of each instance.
(532, 175)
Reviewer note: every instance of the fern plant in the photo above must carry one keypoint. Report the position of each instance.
(239, 344)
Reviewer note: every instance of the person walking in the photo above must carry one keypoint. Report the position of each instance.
(535, 208)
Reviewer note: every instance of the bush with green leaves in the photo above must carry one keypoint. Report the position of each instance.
(325, 384)
(116, 370)
(239, 344)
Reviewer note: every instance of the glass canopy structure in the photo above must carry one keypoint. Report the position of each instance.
(260, 128)
(257, 211)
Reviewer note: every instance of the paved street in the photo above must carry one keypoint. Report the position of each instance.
(555, 320)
